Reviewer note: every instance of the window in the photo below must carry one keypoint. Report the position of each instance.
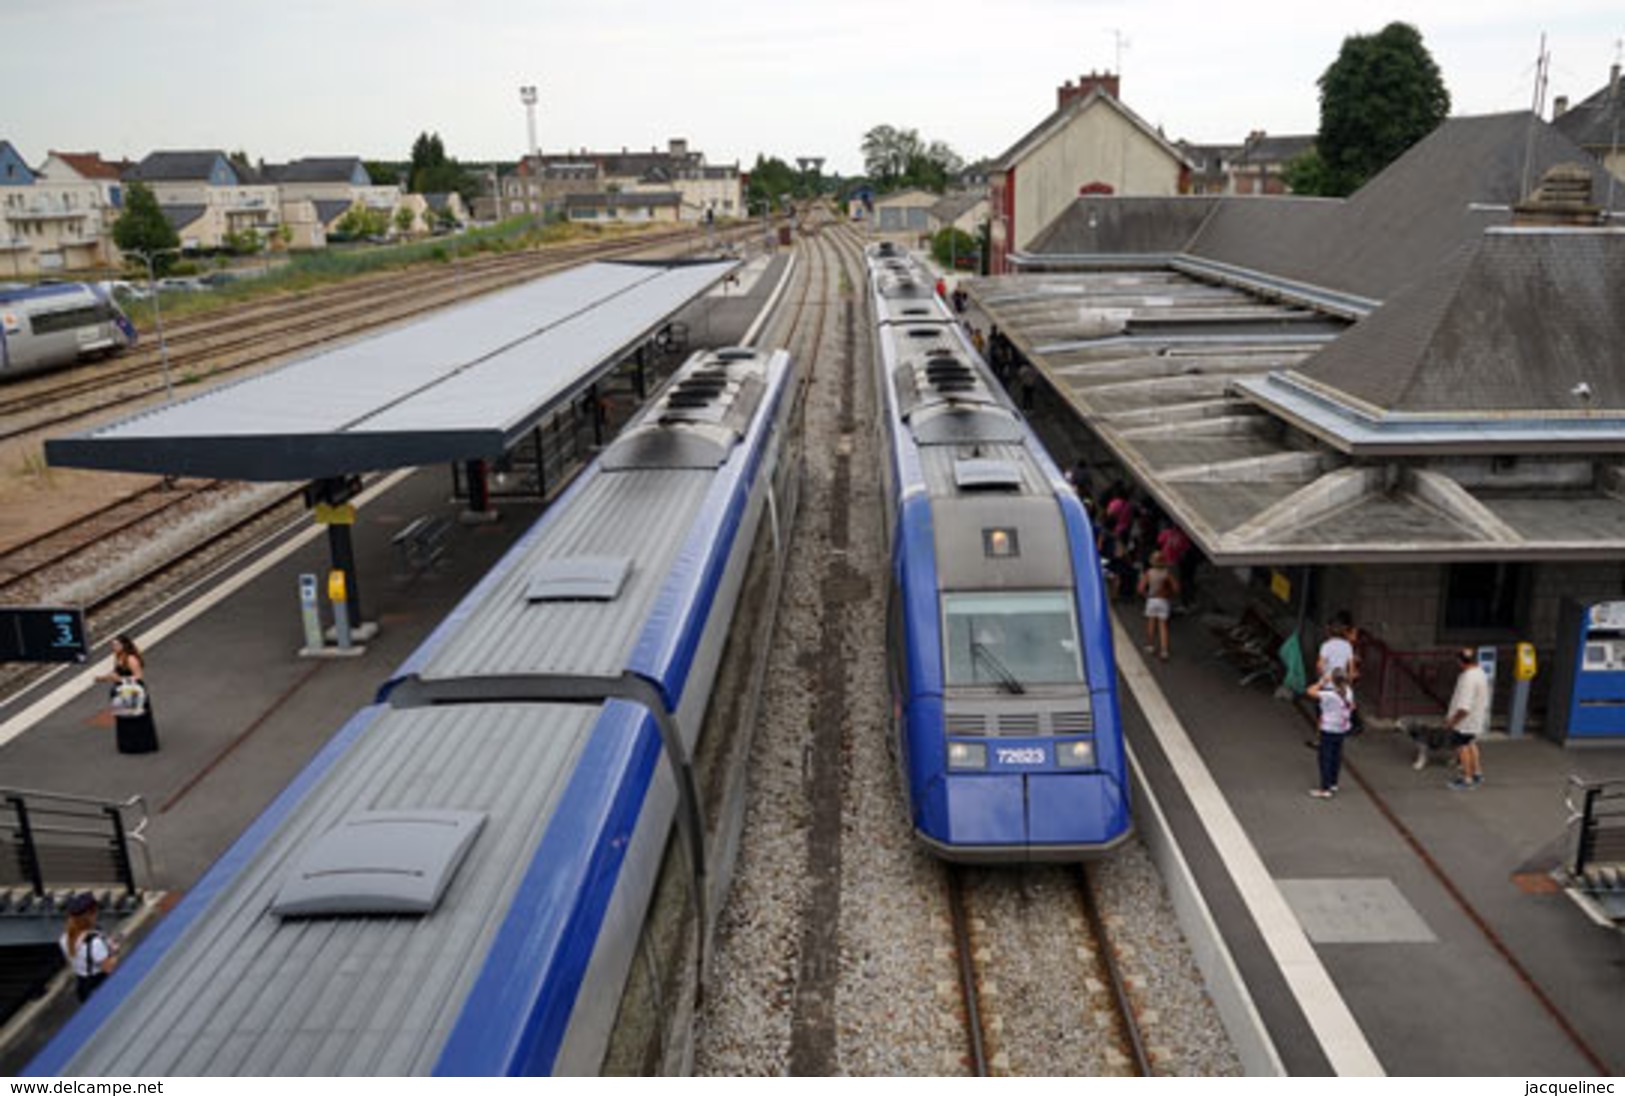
(66, 319)
(1011, 639)
(1484, 598)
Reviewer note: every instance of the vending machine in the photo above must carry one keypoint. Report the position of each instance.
(1587, 703)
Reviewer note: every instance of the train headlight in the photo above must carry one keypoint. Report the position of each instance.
(1075, 755)
(967, 755)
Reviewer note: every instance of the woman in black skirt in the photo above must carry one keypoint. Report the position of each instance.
(137, 733)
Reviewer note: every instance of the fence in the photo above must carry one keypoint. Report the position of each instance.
(55, 840)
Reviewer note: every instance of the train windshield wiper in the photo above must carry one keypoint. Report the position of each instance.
(1007, 680)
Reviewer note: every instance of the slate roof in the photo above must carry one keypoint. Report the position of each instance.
(329, 210)
(1438, 197)
(954, 206)
(1274, 149)
(316, 169)
(186, 166)
(1512, 323)
(1599, 121)
(179, 216)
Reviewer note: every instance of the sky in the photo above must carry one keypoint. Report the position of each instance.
(788, 79)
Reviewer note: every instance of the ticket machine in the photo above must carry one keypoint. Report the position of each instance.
(1588, 686)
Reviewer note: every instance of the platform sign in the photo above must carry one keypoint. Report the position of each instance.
(42, 634)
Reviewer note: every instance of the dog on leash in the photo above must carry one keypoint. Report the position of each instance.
(1432, 740)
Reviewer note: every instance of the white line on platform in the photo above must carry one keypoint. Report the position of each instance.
(85, 678)
(1323, 1006)
(772, 302)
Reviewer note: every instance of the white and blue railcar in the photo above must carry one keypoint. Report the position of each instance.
(459, 883)
(1002, 672)
(48, 326)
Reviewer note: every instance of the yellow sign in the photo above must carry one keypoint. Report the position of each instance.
(328, 514)
(336, 591)
(1280, 585)
(1525, 669)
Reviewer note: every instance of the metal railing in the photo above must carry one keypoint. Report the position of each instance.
(55, 840)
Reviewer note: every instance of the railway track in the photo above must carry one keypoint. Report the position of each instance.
(258, 334)
(1039, 1018)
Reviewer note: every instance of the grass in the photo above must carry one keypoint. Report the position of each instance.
(306, 270)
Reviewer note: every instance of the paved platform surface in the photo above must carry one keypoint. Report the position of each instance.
(1430, 909)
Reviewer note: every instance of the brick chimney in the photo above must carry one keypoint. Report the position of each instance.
(1563, 198)
(677, 146)
(1070, 92)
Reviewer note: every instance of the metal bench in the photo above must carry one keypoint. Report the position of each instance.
(1595, 871)
(422, 542)
(1251, 645)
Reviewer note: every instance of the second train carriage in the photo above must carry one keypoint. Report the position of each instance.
(1001, 664)
(48, 326)
(460, 882)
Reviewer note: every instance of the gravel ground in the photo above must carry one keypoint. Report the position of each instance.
(894, 1009)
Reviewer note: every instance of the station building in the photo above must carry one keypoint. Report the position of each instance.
(1409, 404)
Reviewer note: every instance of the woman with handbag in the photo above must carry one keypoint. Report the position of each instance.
(131, 701)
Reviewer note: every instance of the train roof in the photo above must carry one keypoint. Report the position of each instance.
(594, 590)
(249, 992)
(11, 292)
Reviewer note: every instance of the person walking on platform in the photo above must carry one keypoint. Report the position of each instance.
(131, 699)
(90, 955)
(1336, 700)
(1469, 717)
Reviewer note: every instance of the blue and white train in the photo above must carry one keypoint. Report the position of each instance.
(489, 871)
(43, 327)
(1003, 679)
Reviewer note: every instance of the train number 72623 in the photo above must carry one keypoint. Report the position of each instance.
(1020, 755)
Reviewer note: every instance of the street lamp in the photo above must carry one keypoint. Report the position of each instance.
(157, 312)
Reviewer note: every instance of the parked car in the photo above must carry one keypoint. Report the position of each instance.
(181, 285)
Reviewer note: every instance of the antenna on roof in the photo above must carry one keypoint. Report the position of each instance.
(1542, 63)
(1122, 43)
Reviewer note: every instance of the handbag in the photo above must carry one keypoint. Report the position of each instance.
(129, 699)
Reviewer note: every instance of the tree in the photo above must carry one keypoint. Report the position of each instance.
(954, 248)
(143, 229)
(897, 158)
(359, 221)
(770, 178)
(403, 220)
(433, 172)
(1382, 95)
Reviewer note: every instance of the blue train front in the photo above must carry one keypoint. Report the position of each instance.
(1002, 672)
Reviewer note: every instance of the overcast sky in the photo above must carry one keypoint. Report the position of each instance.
(807, 78)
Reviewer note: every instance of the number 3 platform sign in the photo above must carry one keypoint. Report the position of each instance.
(35, 634)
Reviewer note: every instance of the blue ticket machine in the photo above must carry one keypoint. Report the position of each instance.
(1588, 685)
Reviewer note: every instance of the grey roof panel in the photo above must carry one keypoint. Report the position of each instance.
(369, 996)
(509, 636)
(379, 862)
(462, 383)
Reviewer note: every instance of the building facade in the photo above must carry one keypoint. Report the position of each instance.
(208, 197)
(1090, 144)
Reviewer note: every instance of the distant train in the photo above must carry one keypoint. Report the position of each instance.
(487, 871)
(44, 327)
(1002, 673)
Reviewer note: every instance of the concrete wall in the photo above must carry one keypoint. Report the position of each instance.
(1099, 145)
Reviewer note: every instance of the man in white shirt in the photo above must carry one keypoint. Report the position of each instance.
(1469, 717)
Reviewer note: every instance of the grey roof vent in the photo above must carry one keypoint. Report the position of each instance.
(379, 862)
(578, 578)
(980, 474)
(736, 354)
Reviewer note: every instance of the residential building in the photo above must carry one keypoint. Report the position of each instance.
(59, 217)
(537, 187)
(206, 196)
(1597, 124)
(333, 185)
(1090, 144)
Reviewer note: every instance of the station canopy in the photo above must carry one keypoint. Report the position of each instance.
(462, 383)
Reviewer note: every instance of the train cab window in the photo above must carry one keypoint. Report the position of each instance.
(1011, 640)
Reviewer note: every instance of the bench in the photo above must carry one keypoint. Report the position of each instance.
(1595, 870)
(1252, 646)
(422, 542)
